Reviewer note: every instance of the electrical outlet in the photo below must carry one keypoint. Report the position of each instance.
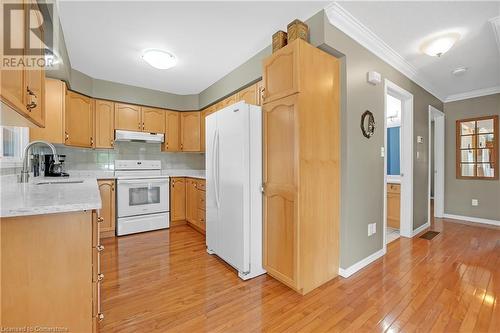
(369, 229)
(382, 151)
(475, 202)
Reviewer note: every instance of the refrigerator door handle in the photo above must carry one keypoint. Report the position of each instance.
(215, 164)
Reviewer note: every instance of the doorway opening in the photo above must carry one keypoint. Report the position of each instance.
(398, 163)
(436, 163)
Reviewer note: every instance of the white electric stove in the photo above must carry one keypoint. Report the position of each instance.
(142, 196)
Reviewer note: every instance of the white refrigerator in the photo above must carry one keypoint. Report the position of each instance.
(233, 180)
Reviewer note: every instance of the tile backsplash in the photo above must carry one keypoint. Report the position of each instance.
(103, 159)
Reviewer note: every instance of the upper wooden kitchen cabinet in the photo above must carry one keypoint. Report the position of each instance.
(205, 113)
(190, 131)
(281, 74)
(107, 192)
(172, 140)
(79, 124)
(104, 115)
(128, 117)
(153, 120)
(55, 95)
(22, 88)
(301, 166)
(177, 199)
(248, 95)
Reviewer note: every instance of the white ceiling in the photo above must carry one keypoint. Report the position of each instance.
(105, 40)
(403, 26)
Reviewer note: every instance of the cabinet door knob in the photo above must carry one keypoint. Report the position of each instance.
(100, 219)
(100, 277)
(66, 136)
(139, 125)
(99, 248)
(100, 316)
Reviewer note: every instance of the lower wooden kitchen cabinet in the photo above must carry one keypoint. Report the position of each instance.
(108, 210)
(63, 252)
(187, 202)
(393, 205)
(177, 200)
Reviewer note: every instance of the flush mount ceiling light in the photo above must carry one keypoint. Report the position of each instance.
(159, 59)
(459, 71)
(439, 45)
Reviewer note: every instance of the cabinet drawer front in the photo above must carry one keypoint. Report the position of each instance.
(201, 200)
(393, 188)
(201, 218)
(281, 73)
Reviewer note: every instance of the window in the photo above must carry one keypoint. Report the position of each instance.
(14, 140)
(477, 148)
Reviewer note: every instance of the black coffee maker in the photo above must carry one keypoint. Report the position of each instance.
(52, 169)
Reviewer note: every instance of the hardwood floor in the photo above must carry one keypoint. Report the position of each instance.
(165, 281)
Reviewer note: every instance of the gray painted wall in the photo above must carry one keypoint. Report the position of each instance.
(362, 166)
(460, 192)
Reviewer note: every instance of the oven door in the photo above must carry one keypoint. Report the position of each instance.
(142, 196)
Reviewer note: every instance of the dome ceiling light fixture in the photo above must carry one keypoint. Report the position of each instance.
(159, 59)
(439, 45)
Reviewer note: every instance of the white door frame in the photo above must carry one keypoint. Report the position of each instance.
(439, 133)
(406, 165)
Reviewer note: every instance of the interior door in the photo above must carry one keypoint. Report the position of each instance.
(233, 184)
(212, 211)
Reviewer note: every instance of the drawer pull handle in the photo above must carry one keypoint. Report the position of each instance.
(99, 248)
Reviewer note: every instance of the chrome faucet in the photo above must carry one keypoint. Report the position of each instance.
(25, 172)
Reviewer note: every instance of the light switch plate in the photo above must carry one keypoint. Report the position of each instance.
(382, 151)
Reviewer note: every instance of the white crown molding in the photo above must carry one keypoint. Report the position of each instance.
(472, 94)
(495, 25)
(345, 273)
(343, 20)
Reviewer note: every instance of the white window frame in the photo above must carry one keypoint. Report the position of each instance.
(17, 159)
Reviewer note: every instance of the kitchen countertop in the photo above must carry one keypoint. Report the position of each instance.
(109, 174)
(32, 199)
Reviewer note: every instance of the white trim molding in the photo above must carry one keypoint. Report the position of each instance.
(345, 273)
(472, 94)
(351, 26)
(420, 229)
(472, 219)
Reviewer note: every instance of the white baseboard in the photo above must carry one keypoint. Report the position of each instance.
(471, 219)
(361, 264)
(420, 229)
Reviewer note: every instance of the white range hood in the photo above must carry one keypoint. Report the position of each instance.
(121, 135)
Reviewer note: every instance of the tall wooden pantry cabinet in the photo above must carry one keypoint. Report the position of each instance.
(301, 119)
